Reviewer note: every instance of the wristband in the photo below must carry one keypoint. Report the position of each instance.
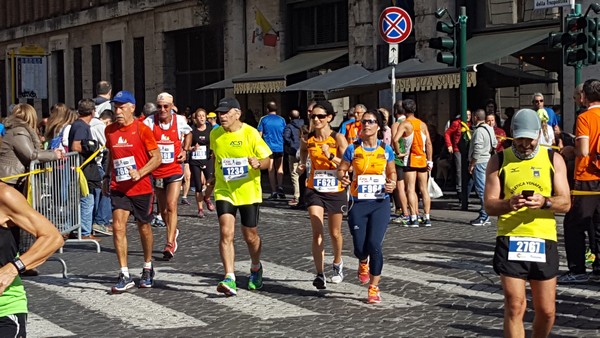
(331, 156)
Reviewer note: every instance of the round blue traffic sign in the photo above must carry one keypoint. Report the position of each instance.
(395, 25)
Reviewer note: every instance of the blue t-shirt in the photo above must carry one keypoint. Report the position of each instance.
(271, 126)
(2, 130)
(552, 119)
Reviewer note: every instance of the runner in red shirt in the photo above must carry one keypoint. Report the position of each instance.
(133, 155)
(173, 135)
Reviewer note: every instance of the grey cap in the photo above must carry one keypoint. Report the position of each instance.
(526, 124)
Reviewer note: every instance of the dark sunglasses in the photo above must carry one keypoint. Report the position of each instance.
(319, 116)
(538, 101)
(373, 121)
(165, 106)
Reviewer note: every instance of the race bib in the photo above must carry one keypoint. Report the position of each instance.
(370, 187)
(325, 181)
(167, 152)
(199, 154)
(235, 168)
(527, 249)
(122, 166)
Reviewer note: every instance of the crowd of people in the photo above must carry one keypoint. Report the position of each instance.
(375, 168)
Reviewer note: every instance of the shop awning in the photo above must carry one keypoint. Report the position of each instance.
(223, 84)
(490, 47)
(500, 77)
(326, 82)
(273, 79)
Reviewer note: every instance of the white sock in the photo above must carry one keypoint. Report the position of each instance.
(413, 217)
(125, 271)
(159, 217)
(230, 275)
(426, 216)
(148, 265)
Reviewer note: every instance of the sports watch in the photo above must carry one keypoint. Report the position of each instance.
(18, 263)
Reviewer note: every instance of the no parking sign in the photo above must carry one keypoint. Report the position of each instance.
(395, 25)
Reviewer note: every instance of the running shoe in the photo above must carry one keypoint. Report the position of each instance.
(123, 284)
(400, 220)
(573, 278)
(169, 251)
(338, 273)
(227, 286)
(185, 201)
(426, 222)
(280, 193)
(147, 279)
(255, 281)
(209, 205)
(158, 223)
(103, 229)
(272, 197)
(200, 213)
(293, 202)
(320, 282)
(374, 295)
(363, 272)
(479, 221)
(410, 223)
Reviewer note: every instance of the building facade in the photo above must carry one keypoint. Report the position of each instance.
(179, 46)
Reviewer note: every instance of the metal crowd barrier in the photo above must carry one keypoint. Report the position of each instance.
(56, 193)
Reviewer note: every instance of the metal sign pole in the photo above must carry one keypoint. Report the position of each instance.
(393, 77)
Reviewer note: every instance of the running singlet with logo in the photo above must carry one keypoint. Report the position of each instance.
(236, 182)
(129, 147)
(533, 174)
(200, 147)
(322, 177)
(369, 169)
(169, 145)
(416, 143)
(13, 300)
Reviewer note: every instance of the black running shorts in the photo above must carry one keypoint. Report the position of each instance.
(332, 202)
(525, 270)
(248, 213)
(140, 206)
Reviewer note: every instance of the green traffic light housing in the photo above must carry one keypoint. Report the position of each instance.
(591, 47)
(446, 44)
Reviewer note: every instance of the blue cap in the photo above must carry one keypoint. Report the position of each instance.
(124, 97)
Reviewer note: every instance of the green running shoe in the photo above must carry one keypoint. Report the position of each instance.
(255, 279)
(589, 258)
(228, 287)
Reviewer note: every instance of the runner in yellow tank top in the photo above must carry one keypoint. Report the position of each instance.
(324, 192)
(524, 186)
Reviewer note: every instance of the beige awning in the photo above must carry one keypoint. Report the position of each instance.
(273, 79)
(432, 82)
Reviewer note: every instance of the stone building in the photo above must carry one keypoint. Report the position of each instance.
(253, 49)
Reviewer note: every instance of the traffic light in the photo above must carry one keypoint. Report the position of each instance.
(574, 40)
(591, 47)
(448, 45)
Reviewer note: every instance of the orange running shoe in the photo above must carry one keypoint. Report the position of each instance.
(363, 272)
(374, 296)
